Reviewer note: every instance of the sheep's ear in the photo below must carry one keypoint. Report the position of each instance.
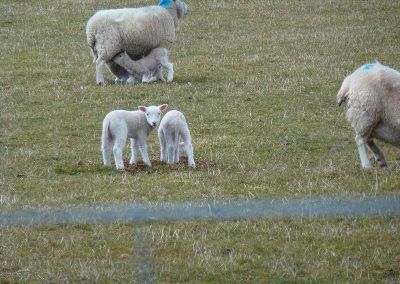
(142, 108)
(162, 107)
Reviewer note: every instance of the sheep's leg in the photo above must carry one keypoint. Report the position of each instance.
(380, 157)
(134, 152)
(163, 146)
(99, 71)
(170, 74)
(365, 163)
(189, 151)
(145, 155)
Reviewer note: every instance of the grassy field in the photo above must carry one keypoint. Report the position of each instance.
(257, 81)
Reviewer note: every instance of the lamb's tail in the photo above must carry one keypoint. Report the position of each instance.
(106, 138)
(343, 93)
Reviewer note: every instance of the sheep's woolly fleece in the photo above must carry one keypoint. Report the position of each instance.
(372, 93)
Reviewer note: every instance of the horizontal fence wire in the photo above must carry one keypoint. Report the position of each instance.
(215, 210)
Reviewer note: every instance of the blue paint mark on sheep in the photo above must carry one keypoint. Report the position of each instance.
(165, 3)
(368, 66)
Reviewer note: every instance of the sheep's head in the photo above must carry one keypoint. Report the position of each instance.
(181, 7)
(153, 113)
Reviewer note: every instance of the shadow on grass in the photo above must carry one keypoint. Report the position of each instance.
(157, 166)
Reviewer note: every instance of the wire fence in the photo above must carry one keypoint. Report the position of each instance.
(143, 213)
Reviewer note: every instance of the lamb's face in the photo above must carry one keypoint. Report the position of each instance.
(121, 57)
(153, 114)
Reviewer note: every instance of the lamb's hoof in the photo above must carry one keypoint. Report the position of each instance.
(383, 165)
(101, 83)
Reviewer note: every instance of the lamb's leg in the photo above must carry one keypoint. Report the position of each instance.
(380, 157)
(170, 153)
(170, 141)
(158, 73)
(365, 163)
(118, 149)
(132, 80)
(170, 71)
(99, 71)
(189, 151)
(107, 148)
(134, 152)
(163, 146)
(176, 147)
(143, 152)
(181, 149)
(148, 78)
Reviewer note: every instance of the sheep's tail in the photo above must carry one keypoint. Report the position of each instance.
(343, 93)
(91, 40)
(106, 138)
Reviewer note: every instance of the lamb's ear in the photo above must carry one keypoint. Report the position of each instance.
(142, 108)
(162, 107)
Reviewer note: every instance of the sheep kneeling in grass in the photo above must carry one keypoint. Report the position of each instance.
(147, 69)
(172, 126)
(118, 125)
(373, 99)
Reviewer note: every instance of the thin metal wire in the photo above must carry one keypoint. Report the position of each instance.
(216, 210)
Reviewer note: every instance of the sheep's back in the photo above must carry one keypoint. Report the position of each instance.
(375, 93)
(143, 29)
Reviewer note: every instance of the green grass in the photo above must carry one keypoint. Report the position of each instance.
(257, 81)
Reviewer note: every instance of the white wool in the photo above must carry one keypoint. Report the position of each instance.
(120, 125)
(372, 93)
(134, 30)
(147, 69)
(172, 127)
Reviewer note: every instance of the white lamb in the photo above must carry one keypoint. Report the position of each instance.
(118, 125)
(172, 126)
(134, 30)
(147, 69)
(373, 99)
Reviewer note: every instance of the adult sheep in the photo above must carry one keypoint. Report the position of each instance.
(372, 93)
(134, 30)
